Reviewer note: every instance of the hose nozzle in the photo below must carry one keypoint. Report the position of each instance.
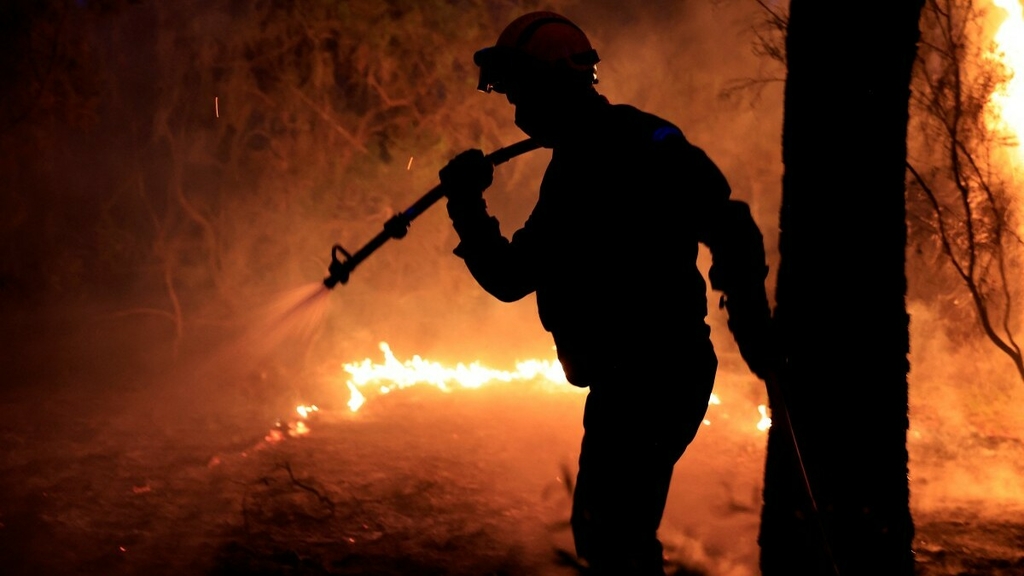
(339, 270)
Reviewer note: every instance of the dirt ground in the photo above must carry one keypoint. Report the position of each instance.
(118, 461)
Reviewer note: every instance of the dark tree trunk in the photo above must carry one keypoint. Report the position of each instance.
(841, 295)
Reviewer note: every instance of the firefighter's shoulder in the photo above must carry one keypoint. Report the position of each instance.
(643, 127)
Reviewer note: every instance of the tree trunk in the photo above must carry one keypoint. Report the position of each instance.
(840, 297)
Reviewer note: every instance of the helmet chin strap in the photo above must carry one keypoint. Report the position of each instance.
(558, 117)
(536, 127)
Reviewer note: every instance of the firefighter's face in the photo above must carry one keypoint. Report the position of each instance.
(540, 108)
(544, 96)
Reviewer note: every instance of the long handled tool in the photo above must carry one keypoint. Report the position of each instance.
(340, 269)
(780, 414)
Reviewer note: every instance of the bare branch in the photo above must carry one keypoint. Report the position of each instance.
(966, 192)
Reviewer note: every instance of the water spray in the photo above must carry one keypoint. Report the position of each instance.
(398, 225)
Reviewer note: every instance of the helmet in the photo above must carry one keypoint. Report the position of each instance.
(537, 42)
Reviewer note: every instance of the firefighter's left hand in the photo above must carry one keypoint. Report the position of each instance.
(466, 176)
(761, 352)
(754, 331)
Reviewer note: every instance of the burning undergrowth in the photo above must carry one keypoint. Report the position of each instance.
(115, 470)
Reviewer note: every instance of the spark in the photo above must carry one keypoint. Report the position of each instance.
(409, 165)
(216, 106)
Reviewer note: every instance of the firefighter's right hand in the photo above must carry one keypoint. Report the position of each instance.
(752, 326)
(466, 176)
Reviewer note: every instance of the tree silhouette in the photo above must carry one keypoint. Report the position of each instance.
(840, 296)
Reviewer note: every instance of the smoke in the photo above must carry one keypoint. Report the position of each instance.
(659, 57)
(964, 392)
(199, 195)
(965, 421)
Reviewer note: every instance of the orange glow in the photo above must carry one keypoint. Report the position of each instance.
(1008, 102)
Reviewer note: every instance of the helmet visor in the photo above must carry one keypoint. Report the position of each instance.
(495, 65)
(501, 66)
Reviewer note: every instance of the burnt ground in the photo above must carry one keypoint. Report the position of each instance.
(117, 460)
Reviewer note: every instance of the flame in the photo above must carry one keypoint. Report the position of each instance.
(367, 378)
(714, 400)
(394, 374)
(356, 398)
(765, 422)
(1008, 102)
(289, 428)
(299, 427)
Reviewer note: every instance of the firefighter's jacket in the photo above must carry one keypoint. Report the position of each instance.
(611, 246)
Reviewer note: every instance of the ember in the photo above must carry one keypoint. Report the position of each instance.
(766, 422)
(294, 428)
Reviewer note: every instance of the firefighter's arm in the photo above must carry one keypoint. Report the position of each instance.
(739, 270)
(739, 266)
(497, 265)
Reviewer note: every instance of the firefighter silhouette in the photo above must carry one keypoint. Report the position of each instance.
(610, 249)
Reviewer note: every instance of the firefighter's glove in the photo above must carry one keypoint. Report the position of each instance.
(465, 178)
(755, 335)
